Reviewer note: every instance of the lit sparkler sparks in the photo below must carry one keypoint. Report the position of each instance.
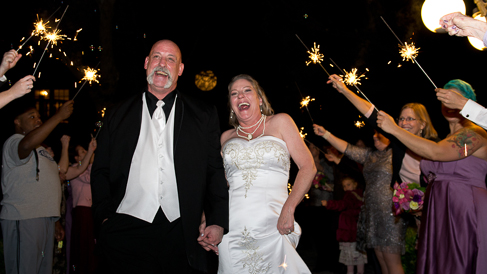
(75, 36)
(355, 85)
(54, 36)
(40, 27)
(305, 101)
(411, 56)
(409, 52)
(351, 78)
(359, 124)
(51, 39)
(91, 75)
(315, 55)
(303, 135)
(466, 150)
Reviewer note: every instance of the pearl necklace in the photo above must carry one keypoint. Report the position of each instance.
(250, 135)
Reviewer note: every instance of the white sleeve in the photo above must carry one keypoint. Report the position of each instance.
(475, 113)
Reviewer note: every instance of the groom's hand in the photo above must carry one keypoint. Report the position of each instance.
(211, 237)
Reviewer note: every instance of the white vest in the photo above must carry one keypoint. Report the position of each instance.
(152, 178)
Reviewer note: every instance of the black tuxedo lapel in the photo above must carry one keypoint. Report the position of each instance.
(129, 132)
(178, 120)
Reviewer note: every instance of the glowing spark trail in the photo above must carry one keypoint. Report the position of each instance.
(316, 56)
(359, 124)
(355, 85)
(412, 57)
(409, 52)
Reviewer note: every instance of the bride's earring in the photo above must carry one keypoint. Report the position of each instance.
(231, 114)
(260, 108)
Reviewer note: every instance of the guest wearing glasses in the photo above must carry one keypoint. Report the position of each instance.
(405, 163)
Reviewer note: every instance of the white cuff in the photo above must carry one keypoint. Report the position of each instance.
(3, 78)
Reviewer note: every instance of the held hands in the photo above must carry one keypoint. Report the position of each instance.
(285, 223)
(450, 98)
(462, 25)
(386, 122)
(23, 86)
(210, 237)
(337, 83)
(9, 61)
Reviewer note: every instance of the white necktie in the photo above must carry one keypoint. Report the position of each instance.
(159, 118)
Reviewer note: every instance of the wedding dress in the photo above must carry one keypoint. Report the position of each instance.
(257, 172)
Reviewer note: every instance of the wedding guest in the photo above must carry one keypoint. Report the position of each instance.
(349, 208)
(256, 154)
(32, 193)
(383, 231)
(452, 237)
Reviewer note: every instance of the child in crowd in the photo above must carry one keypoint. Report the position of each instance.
(349, 207)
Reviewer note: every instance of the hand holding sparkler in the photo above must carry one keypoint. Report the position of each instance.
(19, 89)
(461, 25)
(386, 122)
(450, 98)
(338, 83)
(9, 61)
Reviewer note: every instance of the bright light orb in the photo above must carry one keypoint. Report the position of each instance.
(433, 10)
(476, 43)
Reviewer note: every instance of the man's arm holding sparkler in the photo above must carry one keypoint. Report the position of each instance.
(362, 105)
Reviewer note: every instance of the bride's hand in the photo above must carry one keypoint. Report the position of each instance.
(285, 223)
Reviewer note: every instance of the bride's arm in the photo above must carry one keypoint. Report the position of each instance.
(307, 170)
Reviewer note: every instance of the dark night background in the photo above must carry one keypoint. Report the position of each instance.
(257, 38)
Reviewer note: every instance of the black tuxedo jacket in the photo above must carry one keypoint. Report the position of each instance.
(197, 160)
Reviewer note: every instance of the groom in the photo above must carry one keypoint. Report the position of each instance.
(156, 170)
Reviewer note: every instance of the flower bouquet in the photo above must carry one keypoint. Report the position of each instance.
(321, 181)
(408, 197)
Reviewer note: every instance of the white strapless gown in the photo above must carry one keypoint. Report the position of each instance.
(257, 172)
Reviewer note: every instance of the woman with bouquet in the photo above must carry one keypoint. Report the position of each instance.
(452, 236)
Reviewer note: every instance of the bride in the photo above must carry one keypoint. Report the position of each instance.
(262, 235)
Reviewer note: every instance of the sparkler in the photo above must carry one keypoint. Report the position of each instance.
(355, 85)
(53, 38)
(359, 124)
(314, 55)
(39, 28)
(411, 55)
(90, 75)
(305, 102)
(351, 78)
(303, 135)
(409, 52)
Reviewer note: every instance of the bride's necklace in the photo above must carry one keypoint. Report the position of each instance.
(250, 136)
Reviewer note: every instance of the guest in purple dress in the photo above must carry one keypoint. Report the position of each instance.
(453, 234)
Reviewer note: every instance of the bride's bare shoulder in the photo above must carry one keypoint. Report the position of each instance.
(226, 135)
